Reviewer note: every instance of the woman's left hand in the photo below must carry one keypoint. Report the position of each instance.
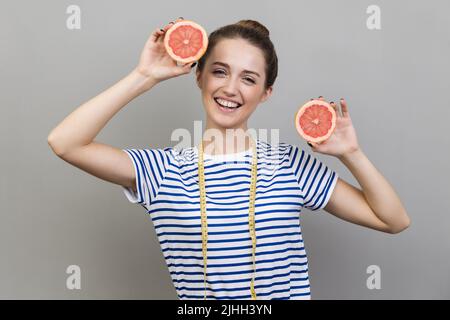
(343, 140)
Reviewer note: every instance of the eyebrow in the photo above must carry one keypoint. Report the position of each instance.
(227, 66)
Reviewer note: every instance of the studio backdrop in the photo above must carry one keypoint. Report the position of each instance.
(65, 234)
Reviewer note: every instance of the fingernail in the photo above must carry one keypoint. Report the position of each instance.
(194, 64)
(309, 144)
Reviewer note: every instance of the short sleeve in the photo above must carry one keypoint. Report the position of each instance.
(150, 166)
(316, 180)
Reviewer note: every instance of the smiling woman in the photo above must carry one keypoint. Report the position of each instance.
(234, 78)
(253, 33)
(227, 220)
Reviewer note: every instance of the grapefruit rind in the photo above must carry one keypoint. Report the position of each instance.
(302, 110)
(191, 58)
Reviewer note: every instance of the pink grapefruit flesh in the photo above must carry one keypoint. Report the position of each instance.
(186, 41)
(315, 121)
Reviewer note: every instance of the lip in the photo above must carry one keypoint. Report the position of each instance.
(228, 100)
(224, 109)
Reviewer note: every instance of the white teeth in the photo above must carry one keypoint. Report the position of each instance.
(226, 103)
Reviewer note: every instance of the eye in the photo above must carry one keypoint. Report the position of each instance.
(220, 71)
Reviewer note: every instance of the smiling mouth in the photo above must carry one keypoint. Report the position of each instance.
(227, 109)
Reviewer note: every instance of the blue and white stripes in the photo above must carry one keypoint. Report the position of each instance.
(315, 179)
(288, 180)
(150, 168)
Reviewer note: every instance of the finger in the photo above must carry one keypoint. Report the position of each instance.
(171, 23)
(336, 108)
(163, 30)
(156, 34)
(186, 68)
(168, 26)
(344, 108)
(313, 145)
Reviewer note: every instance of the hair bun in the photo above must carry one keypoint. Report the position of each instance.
(255, 25)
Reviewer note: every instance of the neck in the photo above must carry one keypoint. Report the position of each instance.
(218, 140)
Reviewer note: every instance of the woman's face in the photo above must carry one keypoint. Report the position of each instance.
(234, 71)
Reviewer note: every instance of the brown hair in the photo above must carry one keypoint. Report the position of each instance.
(256, 34)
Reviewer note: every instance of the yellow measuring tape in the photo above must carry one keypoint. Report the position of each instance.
(251, 213)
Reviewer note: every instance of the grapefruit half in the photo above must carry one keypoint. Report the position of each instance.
(315, 121)
(186, 41)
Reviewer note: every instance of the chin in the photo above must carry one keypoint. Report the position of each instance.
(227, 124)
(225, 120)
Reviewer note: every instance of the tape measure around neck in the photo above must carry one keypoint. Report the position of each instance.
(251, 213)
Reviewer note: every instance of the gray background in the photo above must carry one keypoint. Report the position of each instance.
(54, 215)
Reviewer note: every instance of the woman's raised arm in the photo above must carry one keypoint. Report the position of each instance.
(73, 138)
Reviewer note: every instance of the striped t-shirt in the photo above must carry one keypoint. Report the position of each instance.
(288, 180)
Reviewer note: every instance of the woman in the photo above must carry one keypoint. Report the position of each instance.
(227, 215)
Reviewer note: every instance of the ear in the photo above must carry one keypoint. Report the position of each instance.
(198, 76)
(267, 94)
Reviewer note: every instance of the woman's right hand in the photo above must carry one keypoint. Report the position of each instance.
(155, 63)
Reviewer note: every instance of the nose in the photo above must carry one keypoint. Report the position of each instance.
(231, 87)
